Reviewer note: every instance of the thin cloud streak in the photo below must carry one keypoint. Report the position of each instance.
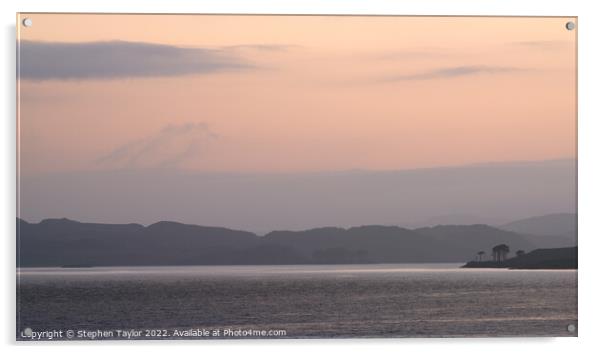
(453, 72)
(262, 47)
(558, 44)
(118, 59)
(416, 53)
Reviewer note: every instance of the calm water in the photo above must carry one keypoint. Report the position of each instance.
(394, 300)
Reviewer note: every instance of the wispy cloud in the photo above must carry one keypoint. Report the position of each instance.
(416, 53)
(170, 147)
(262, 47)
(452, 72)
(544, 44)
(119, 59)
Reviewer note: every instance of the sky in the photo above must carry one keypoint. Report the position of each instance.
(103, 94)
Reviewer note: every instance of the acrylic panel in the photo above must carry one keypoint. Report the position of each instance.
(295, 176)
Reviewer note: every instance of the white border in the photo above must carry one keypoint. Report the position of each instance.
(590, 175)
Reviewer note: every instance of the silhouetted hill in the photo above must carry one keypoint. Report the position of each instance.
(362, 244)
(550, 258)
(62, 241)
(471, 238)
(59, 242)
(552, 224)
(479, 236)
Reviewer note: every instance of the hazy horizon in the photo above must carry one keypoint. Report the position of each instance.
(488, 193)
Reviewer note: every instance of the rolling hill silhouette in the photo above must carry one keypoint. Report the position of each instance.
(561, 224)
(59, 242)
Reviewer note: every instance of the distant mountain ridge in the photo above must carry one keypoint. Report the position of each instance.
(59, 242)
(560, 224)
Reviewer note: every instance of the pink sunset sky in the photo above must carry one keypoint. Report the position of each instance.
(292, 93)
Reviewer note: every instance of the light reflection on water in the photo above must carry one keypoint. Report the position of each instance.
(241, 270)
(380, 300)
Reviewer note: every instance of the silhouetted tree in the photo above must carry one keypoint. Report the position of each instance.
(480, 255)
(520, 253)
(500, 252)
